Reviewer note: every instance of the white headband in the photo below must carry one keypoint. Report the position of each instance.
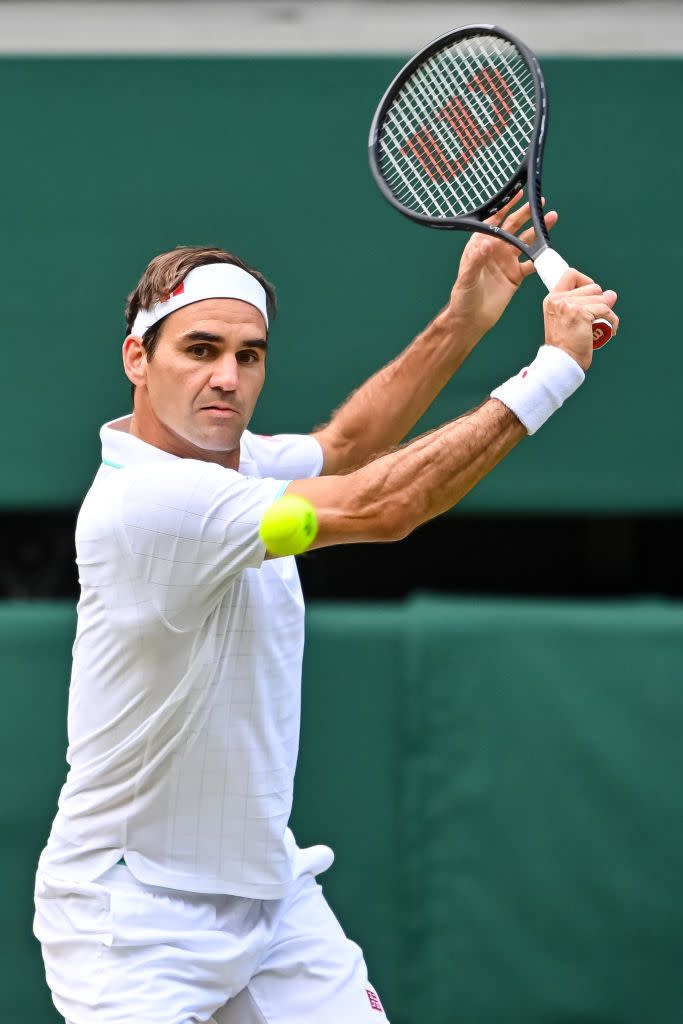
(213, 281)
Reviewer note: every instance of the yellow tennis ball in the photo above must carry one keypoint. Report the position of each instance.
(289, 526)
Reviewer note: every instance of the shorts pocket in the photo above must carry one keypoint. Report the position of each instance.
(68, 911)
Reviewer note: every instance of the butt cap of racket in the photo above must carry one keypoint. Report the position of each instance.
(602, 333)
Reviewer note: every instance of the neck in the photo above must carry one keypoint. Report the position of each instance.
(145, 425)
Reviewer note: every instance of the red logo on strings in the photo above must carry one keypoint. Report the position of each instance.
(374, 1000)
(472, 135)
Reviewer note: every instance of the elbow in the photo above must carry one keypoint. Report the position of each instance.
(395, 519)
(379, 511)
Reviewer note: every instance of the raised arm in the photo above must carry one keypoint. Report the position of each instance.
(382, 411)
(392, 495)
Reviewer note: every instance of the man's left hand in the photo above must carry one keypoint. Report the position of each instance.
(491, 270)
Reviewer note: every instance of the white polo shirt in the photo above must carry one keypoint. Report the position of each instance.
(184, 702)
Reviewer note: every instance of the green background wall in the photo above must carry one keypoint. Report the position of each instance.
(107, 162)
(500, 781)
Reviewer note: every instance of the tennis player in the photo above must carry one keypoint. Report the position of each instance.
(171, 890)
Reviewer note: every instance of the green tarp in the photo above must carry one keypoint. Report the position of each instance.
(500, 781)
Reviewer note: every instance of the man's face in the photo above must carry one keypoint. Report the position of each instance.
(205, 375)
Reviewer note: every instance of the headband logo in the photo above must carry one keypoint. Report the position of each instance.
(176, 291)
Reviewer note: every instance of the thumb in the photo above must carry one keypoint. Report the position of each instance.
(475, 258)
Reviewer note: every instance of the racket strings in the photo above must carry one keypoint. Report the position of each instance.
(430, 145)
(457, 131)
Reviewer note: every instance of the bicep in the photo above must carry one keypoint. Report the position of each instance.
(331, 457)
(338, 456)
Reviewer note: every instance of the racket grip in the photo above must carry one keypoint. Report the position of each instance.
(602, 333)
(550, 267)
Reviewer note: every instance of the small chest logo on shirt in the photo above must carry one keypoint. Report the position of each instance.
(374, 1000)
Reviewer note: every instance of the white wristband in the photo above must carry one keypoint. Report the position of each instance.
(540, 389)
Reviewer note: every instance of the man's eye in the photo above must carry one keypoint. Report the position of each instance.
(248, 357)
(199, 350)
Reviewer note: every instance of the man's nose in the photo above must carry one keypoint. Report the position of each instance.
(225, 373)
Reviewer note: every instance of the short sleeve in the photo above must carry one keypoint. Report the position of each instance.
(285, 456)
(189, 528)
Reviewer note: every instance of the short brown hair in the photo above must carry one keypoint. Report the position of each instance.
(166, 271)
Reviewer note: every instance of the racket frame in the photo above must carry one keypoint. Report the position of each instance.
(529, 172)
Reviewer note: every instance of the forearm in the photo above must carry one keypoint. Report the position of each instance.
(394, 494)
(386, 407)
(432, 474)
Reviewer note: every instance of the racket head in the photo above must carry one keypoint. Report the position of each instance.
(460, 130)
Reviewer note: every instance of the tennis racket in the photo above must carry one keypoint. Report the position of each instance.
(459, 131)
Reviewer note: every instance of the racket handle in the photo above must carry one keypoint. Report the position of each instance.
(602, 332)
(550, 267)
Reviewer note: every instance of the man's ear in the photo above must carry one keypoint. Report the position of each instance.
(134, 359)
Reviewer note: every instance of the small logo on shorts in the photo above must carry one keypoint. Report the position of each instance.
(374, 1000)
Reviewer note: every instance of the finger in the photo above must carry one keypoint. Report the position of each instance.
(478, 250)
(518, 218)
(597, 309)
(529, 236)
(570, 280)
(601, 311)
(589, 292)
(477, 253)
(591, 289)
(582, 279)
(609, 297)
(484, 249)
(499, 217)
(586, 301)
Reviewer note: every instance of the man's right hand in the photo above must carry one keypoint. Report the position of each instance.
(569, 311)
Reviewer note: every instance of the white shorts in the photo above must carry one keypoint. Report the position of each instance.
(117, 951)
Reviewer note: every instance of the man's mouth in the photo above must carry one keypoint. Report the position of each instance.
(223, 409)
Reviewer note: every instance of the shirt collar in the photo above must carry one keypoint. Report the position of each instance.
(122, 450)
